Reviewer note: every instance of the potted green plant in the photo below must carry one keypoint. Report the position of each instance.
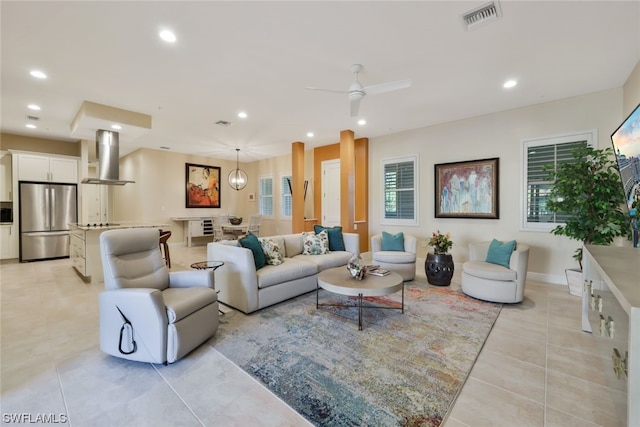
(588, 190)
(438, 266)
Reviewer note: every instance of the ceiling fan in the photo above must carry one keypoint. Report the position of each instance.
(357, 91)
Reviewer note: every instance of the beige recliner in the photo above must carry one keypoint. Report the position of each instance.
(493, 282)
(147, 313)
(401, 262)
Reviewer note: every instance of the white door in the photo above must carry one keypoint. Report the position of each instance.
(330, 193)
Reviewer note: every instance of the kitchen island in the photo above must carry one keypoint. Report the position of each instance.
(84, 247)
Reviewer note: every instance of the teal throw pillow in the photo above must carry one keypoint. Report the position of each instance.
(252, 242)
(336, 241)
(392, 242)
(500, 253)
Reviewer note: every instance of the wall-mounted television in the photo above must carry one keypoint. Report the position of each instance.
(626, 144)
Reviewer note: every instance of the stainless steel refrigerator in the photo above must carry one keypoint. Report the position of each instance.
(45, 213)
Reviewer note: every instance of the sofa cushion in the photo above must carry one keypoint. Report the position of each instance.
(392, 242)
(500, 253)
(250, 241)
(292, 244)
(487, 270)
(290, 269)
(330, 260)
(272, 252)
(336, 241)
(394, 257)
(315, 244)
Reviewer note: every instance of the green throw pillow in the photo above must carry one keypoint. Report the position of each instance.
(392, 242)
(500, 253)
(336, 241)
(252, 242)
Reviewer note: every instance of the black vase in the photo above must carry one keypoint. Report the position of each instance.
(439, 269)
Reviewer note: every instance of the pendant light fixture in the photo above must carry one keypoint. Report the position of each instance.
(237, 177)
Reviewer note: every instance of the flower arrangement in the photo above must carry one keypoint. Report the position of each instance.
(441, 242)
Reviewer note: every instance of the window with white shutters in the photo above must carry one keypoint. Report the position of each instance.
(539, 154)
(400, 191)
(286, 207)
(265, 196)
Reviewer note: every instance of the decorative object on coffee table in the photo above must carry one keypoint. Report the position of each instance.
(357, 267)
(235, 220)
(439, 266)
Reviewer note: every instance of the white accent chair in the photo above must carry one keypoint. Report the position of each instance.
(493, 282)
(401, 262)
(147, 313)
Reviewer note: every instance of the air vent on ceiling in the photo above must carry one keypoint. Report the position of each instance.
(481, 15)
(223, 123)
(33, 118)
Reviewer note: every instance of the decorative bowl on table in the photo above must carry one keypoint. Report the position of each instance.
(235, 220)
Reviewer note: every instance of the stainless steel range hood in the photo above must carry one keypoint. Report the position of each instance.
(108, 151)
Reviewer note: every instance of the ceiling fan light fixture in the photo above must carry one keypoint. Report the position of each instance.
(238, 178)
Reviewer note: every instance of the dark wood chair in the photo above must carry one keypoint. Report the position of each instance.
(164, 246)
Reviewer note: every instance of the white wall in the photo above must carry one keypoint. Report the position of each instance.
(159, 190)
(495, 135)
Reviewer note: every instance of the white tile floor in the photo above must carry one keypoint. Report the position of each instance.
(537, 368)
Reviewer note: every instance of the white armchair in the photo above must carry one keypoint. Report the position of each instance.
(401, 262)
(147, 313)
(493, 282)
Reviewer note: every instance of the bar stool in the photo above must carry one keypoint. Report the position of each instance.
(164, 246)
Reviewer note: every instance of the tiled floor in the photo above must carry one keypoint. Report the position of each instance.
(537, 368)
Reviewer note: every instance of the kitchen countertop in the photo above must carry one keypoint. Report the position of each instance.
(107, 226)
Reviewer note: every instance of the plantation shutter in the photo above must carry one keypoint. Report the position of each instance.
(266, 196)
(286, 206)
(399, 190)
(538, 187)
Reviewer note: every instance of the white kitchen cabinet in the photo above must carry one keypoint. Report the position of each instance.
(5, 177)
(43, 168)
(8, 242)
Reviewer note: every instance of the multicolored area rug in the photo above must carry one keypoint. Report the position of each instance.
(402, 369)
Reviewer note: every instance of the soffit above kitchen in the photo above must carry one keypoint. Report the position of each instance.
(93, 116)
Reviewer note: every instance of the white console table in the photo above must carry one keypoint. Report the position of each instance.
(195, 226)
(611, 310)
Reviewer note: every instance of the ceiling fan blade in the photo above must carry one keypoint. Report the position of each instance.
(386, 87)
(355, 106)
(326, 90)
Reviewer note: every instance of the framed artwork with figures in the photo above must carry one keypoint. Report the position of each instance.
(468, 189)
(202, 186)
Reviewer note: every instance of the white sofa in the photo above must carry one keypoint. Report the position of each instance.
(244, 288)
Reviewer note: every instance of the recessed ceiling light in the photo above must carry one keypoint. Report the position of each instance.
(33, 107)
(362, 122)
(30, 126)
(242, 115)
(38, 74)
(310, 134)
(116, 127)
(165, 148)
(168, 36)
(509, 84)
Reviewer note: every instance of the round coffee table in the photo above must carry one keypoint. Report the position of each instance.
(339, 281)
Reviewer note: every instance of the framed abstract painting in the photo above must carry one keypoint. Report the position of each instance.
(467, 189)
(202, 186)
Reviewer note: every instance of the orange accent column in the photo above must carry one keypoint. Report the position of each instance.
(347, 180)
(297, 187)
